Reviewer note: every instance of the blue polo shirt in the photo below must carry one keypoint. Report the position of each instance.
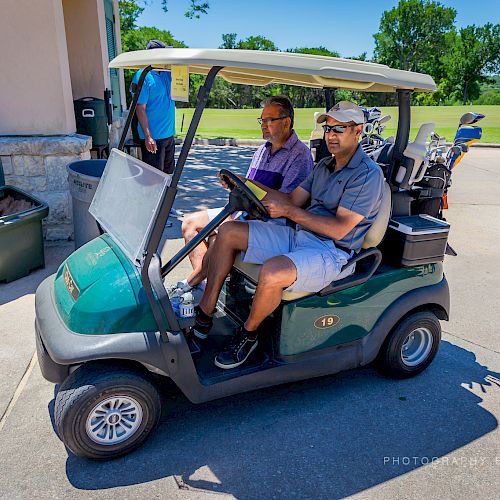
(160, 108)
(358, 187)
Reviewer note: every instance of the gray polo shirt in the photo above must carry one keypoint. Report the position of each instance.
(358, 187)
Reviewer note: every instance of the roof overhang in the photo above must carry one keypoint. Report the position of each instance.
(252, 67)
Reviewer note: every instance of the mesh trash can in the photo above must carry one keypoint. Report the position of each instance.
(83, 178)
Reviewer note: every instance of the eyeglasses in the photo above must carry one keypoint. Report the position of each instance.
(267, 121)
(338, 129)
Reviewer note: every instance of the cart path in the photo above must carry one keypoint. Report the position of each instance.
(306, 437)
(469, 341)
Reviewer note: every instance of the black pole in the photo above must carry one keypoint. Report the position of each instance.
(404, 117)
(186, 250)
(200, 106)
(133, 105)
(330, 98)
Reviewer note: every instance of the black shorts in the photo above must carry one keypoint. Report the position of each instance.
(163, 159)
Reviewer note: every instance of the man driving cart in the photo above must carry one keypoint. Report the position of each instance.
(332, 211)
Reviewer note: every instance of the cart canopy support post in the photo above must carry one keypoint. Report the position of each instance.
(133, 105)
(201, 102)
(404, 115)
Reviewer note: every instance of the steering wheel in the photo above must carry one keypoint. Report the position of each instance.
(242, 197)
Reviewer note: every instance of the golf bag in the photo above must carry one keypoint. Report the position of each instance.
(431, 190)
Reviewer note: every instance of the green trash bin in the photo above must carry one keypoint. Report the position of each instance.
(21, 238)
(91, 119)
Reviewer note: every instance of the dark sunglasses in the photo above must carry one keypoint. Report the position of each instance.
(338, 129)
(267, 121)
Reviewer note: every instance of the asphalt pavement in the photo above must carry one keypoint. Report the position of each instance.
(353, 434)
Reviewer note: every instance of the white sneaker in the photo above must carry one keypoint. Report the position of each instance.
(183, 286)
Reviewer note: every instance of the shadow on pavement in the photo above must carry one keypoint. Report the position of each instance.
(199, 186)
(54, 255)
(325, 438)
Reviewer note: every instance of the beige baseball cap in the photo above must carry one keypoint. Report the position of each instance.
(344, 111)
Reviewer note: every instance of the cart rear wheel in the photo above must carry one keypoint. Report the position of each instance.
(103, 412)
(411, 346)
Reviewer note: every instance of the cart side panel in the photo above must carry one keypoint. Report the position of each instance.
(318, 322)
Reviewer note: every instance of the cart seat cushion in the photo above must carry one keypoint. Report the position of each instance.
(379, 226)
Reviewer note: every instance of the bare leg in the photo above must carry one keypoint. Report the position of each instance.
(231, 239)
(191, 226)
(276, 274)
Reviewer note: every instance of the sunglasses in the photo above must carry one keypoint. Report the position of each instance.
(267, 121)
(337, 129)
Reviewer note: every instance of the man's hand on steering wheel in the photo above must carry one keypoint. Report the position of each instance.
(242, 197)
(224, 184)
(276, 208)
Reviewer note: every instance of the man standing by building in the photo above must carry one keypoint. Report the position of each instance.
(156, 115)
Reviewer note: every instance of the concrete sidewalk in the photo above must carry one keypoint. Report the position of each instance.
(353, 434)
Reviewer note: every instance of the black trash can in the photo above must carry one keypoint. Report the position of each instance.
(91, 119)
(83, 178)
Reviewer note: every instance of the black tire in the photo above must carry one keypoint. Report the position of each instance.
(392, 359)
(94, 384)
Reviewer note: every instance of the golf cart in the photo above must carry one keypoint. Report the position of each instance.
(105, 326)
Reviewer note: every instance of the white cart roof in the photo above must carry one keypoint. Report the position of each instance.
(253, 67)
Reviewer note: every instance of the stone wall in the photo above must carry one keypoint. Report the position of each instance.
(37, 164)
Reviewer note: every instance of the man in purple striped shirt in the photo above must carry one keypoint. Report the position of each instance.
(282, 163)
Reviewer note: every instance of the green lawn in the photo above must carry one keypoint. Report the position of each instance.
(242, 123)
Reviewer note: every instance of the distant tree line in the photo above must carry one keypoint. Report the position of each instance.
(416, 35)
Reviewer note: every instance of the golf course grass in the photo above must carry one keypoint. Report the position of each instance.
(242, 123)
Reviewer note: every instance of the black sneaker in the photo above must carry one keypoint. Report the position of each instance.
(202, 325)
(238, 351)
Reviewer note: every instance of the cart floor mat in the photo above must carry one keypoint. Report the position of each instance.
(204, 359)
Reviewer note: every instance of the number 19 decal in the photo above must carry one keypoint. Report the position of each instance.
(326, 321)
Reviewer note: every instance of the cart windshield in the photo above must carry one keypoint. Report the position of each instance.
(127, 201)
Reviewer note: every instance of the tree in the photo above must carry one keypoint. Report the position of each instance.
(129, 12)
(474, 52)
(242, 95)
(251, 43)
(412, 36)
(196, 8)
(318, 51)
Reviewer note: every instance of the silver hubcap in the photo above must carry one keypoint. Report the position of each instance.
(416, 347)
(114, 420)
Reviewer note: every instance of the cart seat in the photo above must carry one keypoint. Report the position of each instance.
(372, 238)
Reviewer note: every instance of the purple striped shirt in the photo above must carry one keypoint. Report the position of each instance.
(285, 169)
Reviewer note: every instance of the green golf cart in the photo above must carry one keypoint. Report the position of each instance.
(106, 330)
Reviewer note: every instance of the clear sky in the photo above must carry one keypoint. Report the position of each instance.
(345, 26)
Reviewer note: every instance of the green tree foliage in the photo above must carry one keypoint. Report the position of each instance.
(136, 38)
(474, 53)
(129, 12)
(196, 8)
(318, 51)
(412, 35)
(416, 35)
(229, 41)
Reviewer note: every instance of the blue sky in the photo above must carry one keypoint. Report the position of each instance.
(345, 26)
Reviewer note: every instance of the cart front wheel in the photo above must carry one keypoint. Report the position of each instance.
(411, 346)
(103, 412)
